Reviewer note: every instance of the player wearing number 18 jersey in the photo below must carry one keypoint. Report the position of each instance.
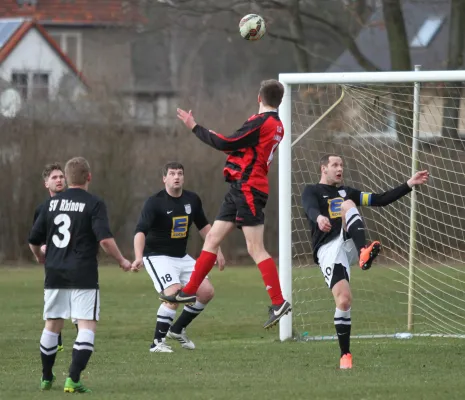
(250, 151)
(160, 243)
(72, 224)
(338, 235)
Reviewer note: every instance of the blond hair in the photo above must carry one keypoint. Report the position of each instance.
(77, 171)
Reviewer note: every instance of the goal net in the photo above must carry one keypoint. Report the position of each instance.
(383, 131)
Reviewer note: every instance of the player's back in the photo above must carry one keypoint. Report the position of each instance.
(250, 165)
(74, 222)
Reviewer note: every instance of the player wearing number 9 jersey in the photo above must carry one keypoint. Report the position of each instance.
(338, 236)
(72, 224)
(250, 151)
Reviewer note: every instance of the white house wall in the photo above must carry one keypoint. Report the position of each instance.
(34, 53)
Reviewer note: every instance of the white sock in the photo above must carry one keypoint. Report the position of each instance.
(84, 340)
(49, 342)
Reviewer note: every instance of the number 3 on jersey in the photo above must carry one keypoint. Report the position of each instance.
(63, 222)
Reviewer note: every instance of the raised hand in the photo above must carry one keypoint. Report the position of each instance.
(418, 178)
(187, 118)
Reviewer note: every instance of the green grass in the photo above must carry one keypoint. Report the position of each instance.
(235, 358)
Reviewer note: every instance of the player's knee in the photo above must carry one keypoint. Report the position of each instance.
(172, 289)
(347, 205)
(344, 301)
(212, 240)
(255, 249)
(205, 294)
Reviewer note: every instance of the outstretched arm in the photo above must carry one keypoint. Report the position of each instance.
(247, 136)
(390, 196)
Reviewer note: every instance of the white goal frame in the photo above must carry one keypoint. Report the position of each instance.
(285, 162)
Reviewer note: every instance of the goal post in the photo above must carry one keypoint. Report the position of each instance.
(384, 124)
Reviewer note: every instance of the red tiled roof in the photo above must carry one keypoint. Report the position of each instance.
(74, 11)
(16, 37)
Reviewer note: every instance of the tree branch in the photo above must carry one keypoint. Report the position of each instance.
(346, 39)
(343, 36)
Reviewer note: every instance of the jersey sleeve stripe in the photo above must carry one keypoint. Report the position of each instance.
(365, 199)
(235, 138)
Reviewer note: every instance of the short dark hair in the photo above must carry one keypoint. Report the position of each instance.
(271, 92)
(325, 159)
(172, 165)
(49, 168)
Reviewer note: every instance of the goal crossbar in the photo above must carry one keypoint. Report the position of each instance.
(371, 77)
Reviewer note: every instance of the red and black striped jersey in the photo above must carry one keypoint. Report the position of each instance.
(250, 149)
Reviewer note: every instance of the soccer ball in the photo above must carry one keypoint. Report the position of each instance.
(252, 27)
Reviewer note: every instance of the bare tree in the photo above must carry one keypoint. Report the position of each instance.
(400, 61)
(453, 92)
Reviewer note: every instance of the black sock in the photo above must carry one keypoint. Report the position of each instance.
(187, 316)
(165, 317)
(82, 350)
(48, 361)
(356, 228)
(79, 361)
(60, 342)
(48, 353)
(343, 324)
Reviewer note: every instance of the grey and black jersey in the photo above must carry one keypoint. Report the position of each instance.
(71, 224)
(166, 222)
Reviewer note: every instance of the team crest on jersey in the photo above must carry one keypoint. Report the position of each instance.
(188, 208)
(342, 193)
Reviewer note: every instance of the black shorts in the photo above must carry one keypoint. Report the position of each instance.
(244, 207)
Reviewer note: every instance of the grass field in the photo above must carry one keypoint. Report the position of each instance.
(235, 358)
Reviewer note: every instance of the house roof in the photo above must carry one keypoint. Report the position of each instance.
(86, 12)
(12, 31)
(427, 25)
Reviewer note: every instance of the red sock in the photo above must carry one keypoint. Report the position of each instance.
(203, 266)
(271, 279)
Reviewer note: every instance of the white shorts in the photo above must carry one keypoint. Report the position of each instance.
(166, 271)
(337, 251)
(72, 303)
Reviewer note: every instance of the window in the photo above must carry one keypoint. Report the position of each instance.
(39, 90)
(20, 82)
(71, 44)
(31, 85)
(427, 31)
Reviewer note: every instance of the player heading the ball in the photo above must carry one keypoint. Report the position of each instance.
(250, 151)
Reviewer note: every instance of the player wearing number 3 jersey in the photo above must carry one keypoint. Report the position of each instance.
(250, 151)
(72, 224)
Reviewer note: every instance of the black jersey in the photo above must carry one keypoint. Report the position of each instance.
(326, 200)
(166, 221)
(72, 224)
(37, 211)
